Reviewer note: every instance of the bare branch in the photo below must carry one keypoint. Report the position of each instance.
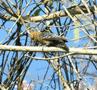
(47, 49)
(74, 10)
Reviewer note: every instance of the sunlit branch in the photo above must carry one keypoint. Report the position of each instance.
(47, 49)
(74, 10)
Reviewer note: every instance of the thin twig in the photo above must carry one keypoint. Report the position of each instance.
(56, 57)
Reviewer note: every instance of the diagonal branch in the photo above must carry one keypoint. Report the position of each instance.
(74, 10)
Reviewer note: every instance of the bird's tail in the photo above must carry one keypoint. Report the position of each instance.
(65, 48)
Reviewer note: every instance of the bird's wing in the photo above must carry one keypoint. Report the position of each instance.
(55, 38)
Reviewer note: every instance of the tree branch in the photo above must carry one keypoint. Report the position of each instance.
(74, 10)
(47, 49)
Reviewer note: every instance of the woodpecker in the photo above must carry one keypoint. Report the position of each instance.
(48, 39)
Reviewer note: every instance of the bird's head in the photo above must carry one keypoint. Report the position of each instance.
(33, 33)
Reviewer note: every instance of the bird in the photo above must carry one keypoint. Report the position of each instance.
(48, 39)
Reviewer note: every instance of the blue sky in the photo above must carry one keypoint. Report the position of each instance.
(38, 68)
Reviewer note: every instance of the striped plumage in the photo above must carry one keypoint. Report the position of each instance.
(48, 39)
